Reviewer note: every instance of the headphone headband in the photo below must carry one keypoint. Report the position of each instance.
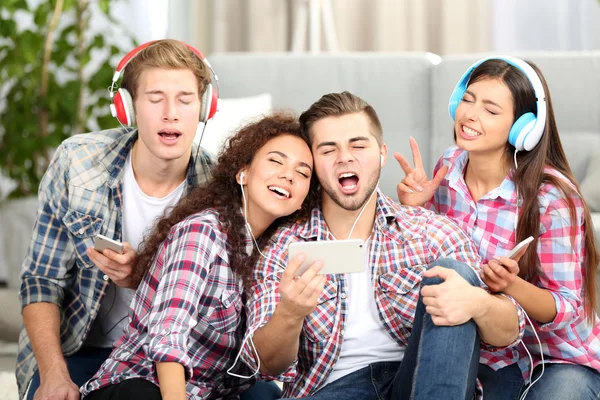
(528, 129)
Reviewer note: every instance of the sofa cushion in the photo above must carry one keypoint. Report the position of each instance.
(232, 113)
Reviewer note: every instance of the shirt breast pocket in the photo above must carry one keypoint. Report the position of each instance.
(319, 325)
(225, 317)
(497, 245)
(401, 292)
(83, 228)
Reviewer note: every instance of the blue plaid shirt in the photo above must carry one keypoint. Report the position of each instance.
(80, 196)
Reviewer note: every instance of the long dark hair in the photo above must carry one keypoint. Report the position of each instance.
(223, 194)
(530, 175)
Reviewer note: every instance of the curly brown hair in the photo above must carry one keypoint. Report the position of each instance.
(223, 194)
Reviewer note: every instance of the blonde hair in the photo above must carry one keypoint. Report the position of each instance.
(167, 54)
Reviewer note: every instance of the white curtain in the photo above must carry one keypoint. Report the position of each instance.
(250, 25)
(439, 26)
(546, 25)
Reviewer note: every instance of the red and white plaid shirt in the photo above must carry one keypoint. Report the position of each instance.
(404, 242)
(490, 222)
(188, 310)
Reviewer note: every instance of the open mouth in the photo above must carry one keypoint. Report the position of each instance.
(169, 134)
(470, 132)
(280, 191)
(348, 180)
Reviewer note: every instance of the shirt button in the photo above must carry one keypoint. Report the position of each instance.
(105, 277)
(342, 332)
(343, 296)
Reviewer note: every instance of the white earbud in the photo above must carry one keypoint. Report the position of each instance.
(242, 177)
(381, 161)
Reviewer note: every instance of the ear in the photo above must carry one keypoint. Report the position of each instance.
(383, 151)
(240, 177)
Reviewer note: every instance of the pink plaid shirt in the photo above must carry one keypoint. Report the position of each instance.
(491, 223)
(404, 242)
(188, 310)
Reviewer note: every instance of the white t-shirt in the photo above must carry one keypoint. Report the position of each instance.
(365, 339)
(139, 214)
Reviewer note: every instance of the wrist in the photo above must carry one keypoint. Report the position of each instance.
(481, 303)
(288, 318)
(57, 372)
(512, 289)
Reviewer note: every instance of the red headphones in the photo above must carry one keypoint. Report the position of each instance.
(122, 102)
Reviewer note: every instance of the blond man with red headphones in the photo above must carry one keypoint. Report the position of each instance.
(112, 183)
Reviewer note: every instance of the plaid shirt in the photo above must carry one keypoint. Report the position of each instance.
(404, 242)
(491, 224)
(187, 310)
(80, 196)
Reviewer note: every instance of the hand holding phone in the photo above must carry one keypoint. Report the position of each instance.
(517, 249)
(500, 274)
(101, 243)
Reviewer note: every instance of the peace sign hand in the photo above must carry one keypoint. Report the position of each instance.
(416, 188)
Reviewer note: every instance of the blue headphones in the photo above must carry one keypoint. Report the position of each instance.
(527, 131)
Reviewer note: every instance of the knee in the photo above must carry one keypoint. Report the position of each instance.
(466, 272)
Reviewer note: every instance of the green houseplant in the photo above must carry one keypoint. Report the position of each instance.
(54, 77)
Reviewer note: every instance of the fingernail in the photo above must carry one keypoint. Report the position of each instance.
(419, 188)
(410, 191)
(497, 258)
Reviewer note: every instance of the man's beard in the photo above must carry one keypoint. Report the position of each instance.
(353, 203)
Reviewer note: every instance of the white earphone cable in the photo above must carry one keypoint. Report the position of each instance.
(531, 359)
(524, 313)
(250, 335)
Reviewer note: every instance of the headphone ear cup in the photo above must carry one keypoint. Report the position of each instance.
(123, 108)
(459, 91)
(455, 98)
(520, 131)
(206, 106)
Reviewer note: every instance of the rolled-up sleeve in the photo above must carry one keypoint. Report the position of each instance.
(180, 283)
(560, 255)
(51, 255)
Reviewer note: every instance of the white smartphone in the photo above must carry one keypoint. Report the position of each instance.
(101, 242)
(511, 254)
(338, 256)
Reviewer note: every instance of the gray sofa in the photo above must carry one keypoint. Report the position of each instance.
(410, 92)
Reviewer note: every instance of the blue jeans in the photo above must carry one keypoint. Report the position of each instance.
(431, 368)
(81, 365)
(559, 381)
(87, 361)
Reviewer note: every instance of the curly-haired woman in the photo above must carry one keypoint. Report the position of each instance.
(186, 321)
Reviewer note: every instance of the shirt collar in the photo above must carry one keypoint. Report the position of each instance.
(316, 228)
(456, 180)
(116, 154)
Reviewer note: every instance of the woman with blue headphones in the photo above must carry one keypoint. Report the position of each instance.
(507, 179)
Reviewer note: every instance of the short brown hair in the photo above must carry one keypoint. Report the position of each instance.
(168, 54)
(338, 104)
